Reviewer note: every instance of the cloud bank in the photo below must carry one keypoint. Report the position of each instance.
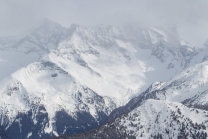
(190, 16)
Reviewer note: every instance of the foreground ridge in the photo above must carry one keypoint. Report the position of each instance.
(153, 119)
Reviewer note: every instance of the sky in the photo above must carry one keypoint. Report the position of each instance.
(190, 16)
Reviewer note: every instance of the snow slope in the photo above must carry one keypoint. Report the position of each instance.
(189, 87)
(163, 118)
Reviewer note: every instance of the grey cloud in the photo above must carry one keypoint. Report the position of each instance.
(190, 16)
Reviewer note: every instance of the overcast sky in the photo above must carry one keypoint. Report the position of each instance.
(190, 16)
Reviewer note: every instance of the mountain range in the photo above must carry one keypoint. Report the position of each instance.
(102, 82)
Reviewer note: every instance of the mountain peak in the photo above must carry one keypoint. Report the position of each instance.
(47, 26)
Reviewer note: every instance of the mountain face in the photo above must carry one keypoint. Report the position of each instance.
(173, 109)
(56, 80)
(48, 100)
(154, 119)
(189, 88)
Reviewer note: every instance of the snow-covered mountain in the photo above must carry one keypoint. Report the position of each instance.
(46, 96)
(19, 51)
(42, 38)
(173, 109)
(125, 60)
(189, 87)
(56, 80)
(154, 119)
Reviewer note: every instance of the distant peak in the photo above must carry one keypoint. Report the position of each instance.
(206, 43)
(74, 26)
(48, 22)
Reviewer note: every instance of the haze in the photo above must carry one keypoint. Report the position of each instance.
(190, 16)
